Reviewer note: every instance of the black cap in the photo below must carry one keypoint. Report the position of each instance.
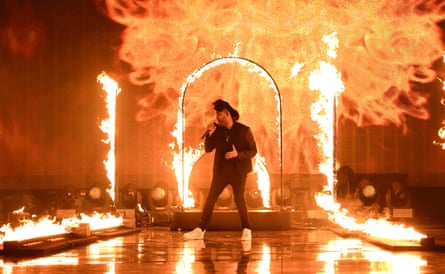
(220, 105)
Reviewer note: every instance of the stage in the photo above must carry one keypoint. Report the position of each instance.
(228, 220)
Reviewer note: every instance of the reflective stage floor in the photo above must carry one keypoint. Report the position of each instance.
(297, 250)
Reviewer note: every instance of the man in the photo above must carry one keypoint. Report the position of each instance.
(234, 147)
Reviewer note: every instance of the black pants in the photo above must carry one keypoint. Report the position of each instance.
(218, 184)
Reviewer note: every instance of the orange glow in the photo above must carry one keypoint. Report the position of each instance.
(47, 226)
(108, 126)
(185, 157)
(380, 261)
(385, 45)
(328, 81)
(263, 179)
(441, 131)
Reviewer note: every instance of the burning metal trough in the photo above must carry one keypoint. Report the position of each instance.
(424, 244)
(39, 246)
(46, 236)
(379, 231)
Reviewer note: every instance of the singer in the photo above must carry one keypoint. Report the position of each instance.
(234, 147)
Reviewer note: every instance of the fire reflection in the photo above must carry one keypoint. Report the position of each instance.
(337, 255)
(108, 250)
(264, 263)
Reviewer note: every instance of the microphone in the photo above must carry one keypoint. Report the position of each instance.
(207, 132)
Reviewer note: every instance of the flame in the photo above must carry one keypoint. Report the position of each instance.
(263, 179)
(441, 131)
(185, 157)
(182, 167)
(386, 45)
(48, 226)
(379, 228)
(328, 81)
(108, 126)
(19, 211)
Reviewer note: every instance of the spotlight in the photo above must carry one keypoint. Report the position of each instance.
(367, 193)
(96, 198)
(94, 193)
(159, 196)
(225, 198)
(281, 196)
(129, 196)
(254, 199)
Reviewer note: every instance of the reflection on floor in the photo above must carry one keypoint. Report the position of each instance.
(297, 250)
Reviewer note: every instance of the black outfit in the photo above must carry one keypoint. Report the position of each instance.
(229, 171)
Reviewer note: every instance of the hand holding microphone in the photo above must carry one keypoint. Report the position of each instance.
(210, 129)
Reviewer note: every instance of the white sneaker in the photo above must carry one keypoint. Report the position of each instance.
(247, 246)
(195, 234)
(246, 235)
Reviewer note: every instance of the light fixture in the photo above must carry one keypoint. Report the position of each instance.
(368, 193)
(345, 185)
(254, 199)
(282, 195)
(159, 196)
(94, 192)
(129, 197)
(225, 198)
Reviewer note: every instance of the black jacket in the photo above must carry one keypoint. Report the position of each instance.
(222, 140)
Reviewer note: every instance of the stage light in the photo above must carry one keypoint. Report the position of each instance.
(368, 193)
(346, 181)
(225, 198)
(281, 196)
(254, 199)
(94, 193)
(159, 196)
(284, 193)
(129, 196)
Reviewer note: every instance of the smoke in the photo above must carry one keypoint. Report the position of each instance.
(384, 46)
(22, 31)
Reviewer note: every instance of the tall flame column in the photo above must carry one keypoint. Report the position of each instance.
(108, 126)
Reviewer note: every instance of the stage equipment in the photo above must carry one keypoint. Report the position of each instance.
(254, 199)
(160, 197)
(225, 198)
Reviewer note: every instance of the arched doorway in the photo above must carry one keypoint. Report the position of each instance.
(254, 93)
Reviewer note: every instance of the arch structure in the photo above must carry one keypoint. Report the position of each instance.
(251, 67)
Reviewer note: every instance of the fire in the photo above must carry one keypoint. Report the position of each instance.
(182, 166)
(48, 226)
(328, 81)
(263, 179)
(29, 229)
(373, 227)
(185, 157)
(441, 131)
(385, 45)
(108, 126)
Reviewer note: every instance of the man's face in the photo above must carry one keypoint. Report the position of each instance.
(222, 117)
